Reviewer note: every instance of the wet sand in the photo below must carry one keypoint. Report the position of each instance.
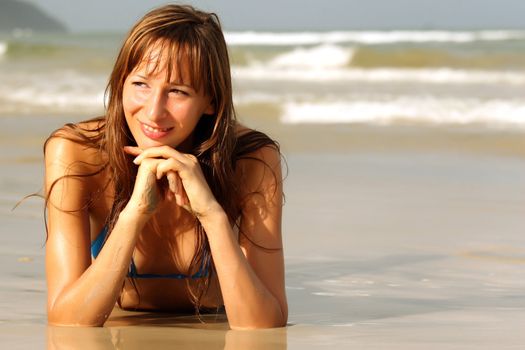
(386, 247)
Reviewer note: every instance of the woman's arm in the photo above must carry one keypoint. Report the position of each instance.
(251, 277)
(81, 293)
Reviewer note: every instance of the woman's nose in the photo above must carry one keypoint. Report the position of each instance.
(156, 105)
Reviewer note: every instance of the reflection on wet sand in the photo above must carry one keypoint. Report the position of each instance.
(134, 330)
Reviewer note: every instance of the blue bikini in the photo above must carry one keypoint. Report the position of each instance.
(98, 243)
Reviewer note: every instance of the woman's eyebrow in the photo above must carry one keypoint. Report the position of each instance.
(171, 83)
(180, 84)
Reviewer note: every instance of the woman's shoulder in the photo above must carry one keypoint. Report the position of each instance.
(258, 159)
(251, 143)
(81, 132)
(76, 146)
(76, 168)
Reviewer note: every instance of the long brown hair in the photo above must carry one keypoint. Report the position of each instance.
(184, 36)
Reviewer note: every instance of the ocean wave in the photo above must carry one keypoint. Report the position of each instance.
(369, 37)
(318, 57)
(421, 57)
(36, 50)
(408, 109)
(63, 47)
(330, 55)
(400, 75)
(59, 91)
(263, 97)
(3, 48)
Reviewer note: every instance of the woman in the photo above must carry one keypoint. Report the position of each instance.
(166, 202)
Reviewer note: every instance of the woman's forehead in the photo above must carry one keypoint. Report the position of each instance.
(160, 61)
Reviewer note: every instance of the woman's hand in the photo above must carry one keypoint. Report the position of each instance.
(185, 178)
(146, 194)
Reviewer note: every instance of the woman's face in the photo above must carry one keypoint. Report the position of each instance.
(159, 112)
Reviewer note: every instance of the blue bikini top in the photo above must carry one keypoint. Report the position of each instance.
(98, 243)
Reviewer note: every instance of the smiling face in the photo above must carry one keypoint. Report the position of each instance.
(159, 110)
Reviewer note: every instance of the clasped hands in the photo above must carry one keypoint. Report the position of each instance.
(186, 181)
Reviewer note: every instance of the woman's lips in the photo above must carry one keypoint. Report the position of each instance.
(153, 132)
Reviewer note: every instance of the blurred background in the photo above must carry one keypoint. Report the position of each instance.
(403, 126)
(407, 64)
(346, 62)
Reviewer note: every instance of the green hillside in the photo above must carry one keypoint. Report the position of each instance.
(23, 15)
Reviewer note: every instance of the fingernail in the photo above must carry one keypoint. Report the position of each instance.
(136, 160)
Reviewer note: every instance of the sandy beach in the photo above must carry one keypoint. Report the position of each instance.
(386, 247)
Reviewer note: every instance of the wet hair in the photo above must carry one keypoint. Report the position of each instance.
(192, 41)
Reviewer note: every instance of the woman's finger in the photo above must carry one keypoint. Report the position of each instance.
(159, 152)
(165, 168)
(172, 181)
(180, 196)
(180, 188)
(134, 151)
(167, 165)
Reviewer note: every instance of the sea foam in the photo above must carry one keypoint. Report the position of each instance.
(3, 48)
(273, 72)
(318, 57)
(369, 37)
(408, 109)
(55, 91)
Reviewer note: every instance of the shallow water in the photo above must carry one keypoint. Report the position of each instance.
(383, 249)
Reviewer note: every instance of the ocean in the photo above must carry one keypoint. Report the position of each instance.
(366, 77)
(405, 186)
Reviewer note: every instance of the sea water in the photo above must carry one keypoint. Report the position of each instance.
(373, 77)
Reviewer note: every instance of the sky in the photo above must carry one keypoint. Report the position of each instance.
(300, 15)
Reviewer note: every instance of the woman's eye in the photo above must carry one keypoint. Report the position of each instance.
(139, 84)
(178, 92)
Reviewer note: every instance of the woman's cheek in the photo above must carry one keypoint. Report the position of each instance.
(134, 101)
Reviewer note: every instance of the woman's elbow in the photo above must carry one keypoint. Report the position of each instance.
(260, 323)
(58, 318)
(257, 326)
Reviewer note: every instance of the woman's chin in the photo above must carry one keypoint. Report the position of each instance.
(184, 146)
